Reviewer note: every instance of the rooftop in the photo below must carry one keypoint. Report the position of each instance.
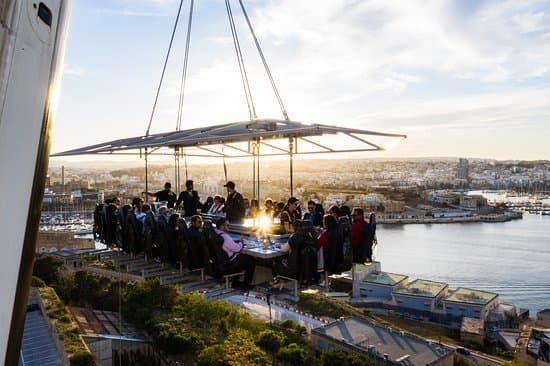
(544, 312)
(385, 341)
(106, 324)
(423, 288)
(37, 347)
(469, 296)
(384, 278)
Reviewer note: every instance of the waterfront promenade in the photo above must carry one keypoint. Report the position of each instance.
(509, 258)
(450, 220)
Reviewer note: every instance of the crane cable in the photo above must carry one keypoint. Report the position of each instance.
(182, 95)
(164, 69)
(266, 66)
(184, 70)
(240, 60)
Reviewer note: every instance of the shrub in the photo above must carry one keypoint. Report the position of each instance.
(47, 269)
(213, 356)
(37, 282)
(173, 338)
(83, 358)
(271, 340)
(341, 358)
(241, 350)
(293, 354)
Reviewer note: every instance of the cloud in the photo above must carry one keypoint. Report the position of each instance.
(526, 109)
(368, 40)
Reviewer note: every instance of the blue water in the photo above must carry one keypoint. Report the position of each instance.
(511, 258)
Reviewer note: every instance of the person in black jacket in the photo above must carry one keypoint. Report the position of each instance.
(111, 223)
(190, 199)
(166, 195)
(234, 205)
(198, 254)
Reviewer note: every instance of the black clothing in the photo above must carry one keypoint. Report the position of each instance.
(334, 255)
(198, 254)
(315, 217)
(301, 263)
(134, 233)
(149, 235)
(177, 247)
(234, 207)
(162, 239)
(167, 196)
(243, 262)
(344, 230)
(111, 224)
(190, 201)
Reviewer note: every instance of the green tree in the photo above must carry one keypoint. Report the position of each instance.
(145, 299)
(241, 350)
(173, 338)
(83, 358)
(341, 358)
(271, 340)
(293, 354)
(47, 269)
(213, 356)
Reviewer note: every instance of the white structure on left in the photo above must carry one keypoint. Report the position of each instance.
(32, 37)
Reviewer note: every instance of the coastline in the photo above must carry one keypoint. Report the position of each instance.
(508, 216)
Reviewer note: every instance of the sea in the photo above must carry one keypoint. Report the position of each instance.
(509, 258)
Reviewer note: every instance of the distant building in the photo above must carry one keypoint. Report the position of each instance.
(472, 330)
(52, 241)
(465, 302)
(379, 343)
(449, 198)
(462, 171)
(472, 201)
(382, 284)
(420, 295)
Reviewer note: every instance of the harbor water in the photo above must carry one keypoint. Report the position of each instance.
(510, 258)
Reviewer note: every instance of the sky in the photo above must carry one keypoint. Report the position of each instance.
(460, 78)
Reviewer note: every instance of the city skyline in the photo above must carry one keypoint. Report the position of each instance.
(465, 79)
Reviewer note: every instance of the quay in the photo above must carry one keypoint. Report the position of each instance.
(508, 216)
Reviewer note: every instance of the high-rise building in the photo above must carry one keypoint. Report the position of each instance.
(462, 169)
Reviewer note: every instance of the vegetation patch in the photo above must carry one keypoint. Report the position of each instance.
(66, 328)
(319, 306)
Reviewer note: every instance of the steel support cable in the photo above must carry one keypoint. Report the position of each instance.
(184, 70)
(164, 68)
(266, 66)
(158, 92)
(185, 161)
(240, 60)
(182, 93)
(224, 165)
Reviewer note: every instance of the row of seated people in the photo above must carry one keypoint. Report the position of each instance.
(167, 238)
